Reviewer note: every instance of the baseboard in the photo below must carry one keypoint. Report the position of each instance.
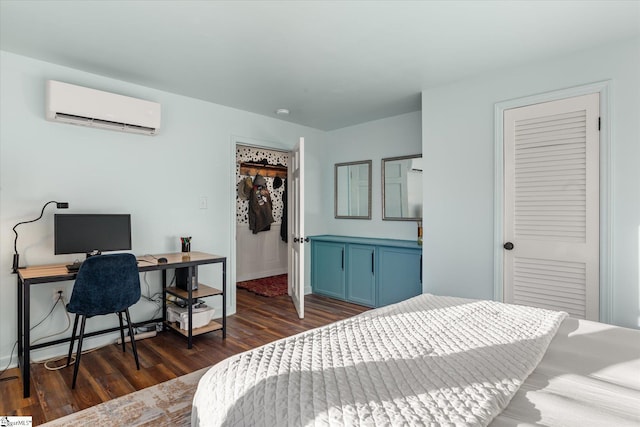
(261, 274)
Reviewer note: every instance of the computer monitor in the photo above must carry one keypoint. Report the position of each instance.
(91, 233)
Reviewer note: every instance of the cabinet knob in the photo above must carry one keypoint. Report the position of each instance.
(508, 246)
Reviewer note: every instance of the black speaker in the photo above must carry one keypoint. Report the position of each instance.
(183, 279)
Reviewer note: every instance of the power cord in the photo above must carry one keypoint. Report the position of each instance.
(156, 298)
(151, 298)
(74, 356)
(46, 362)
(57, 359)
(50, 311)
(13, 377)
(60, 298)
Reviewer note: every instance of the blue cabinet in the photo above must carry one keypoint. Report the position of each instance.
(361, 283)
(366, 271)
(327, 269)
(397, 271)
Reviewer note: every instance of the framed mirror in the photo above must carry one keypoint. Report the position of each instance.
(402, 188)
(352, 190)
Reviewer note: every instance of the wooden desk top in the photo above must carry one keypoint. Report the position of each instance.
(178, 258)
(43, 271)
(58, 272)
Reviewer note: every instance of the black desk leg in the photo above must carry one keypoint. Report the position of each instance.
(224, 298)
(20, 302)
(26, 344)
(20, 337)
(164, 299)
(190, 270)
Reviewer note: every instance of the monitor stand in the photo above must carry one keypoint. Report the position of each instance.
(73, 268)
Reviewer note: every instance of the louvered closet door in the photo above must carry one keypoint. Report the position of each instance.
(551, 196)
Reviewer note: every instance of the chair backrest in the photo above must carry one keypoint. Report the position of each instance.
(105, 284)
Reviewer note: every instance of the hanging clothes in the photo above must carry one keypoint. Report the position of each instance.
(260, 208)
(244, 188)
(284, 232)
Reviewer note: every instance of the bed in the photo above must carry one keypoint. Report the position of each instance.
(433, 360)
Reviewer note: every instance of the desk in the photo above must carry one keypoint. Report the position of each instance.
(58, 273)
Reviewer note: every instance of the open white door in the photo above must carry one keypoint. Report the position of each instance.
(296, 227)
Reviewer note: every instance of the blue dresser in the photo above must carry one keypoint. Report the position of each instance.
(366, 271)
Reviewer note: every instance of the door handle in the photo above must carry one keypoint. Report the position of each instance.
(508, 246)
(372, 272)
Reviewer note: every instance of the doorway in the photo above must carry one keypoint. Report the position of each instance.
(261, 244)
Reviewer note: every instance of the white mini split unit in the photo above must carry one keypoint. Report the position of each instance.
(77, 105)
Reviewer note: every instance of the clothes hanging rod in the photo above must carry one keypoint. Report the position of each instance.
(266, 170)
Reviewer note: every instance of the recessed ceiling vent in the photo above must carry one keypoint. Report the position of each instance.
(77, 105)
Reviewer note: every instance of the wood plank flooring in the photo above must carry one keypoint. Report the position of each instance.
(106, 373)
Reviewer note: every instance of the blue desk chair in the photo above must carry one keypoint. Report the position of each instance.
(105, 284)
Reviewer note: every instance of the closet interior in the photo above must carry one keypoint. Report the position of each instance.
(261, 217)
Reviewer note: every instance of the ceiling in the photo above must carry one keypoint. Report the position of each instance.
(331, 63)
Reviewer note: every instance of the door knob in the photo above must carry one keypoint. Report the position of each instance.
(508, 246)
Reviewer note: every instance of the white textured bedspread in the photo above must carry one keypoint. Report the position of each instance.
(427, 360)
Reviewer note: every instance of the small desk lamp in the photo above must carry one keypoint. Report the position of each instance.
(16, 256)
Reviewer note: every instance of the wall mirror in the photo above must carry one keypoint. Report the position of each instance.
(402, 188)
(353, 190)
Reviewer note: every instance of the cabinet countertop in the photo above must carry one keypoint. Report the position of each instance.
(410, 244)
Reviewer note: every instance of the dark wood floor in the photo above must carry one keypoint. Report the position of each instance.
(105, 374)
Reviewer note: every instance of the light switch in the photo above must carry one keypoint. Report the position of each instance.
(203, 202)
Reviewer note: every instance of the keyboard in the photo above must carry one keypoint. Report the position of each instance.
(73, 268)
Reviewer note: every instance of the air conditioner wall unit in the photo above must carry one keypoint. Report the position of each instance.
(67, 103)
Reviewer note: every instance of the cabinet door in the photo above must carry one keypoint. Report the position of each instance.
(327, 269)
(360, 275)
(399, 274)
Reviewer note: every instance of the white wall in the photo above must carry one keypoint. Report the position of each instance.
(458, 148)
(260, 255)
(158, 180)
(390, 137)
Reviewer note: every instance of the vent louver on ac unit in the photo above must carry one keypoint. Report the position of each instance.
(67, 103)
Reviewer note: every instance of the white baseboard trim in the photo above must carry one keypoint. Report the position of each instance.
(260, 274)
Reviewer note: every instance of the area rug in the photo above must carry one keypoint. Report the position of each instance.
(272, 286)
(164, 404)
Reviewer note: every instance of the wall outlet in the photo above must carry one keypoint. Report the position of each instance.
(203, 202)
(57, 293)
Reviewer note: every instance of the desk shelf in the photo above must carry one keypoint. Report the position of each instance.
(188, 264)
(212, 326)
(201, 292)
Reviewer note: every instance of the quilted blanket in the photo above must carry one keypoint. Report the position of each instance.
(428, 360)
